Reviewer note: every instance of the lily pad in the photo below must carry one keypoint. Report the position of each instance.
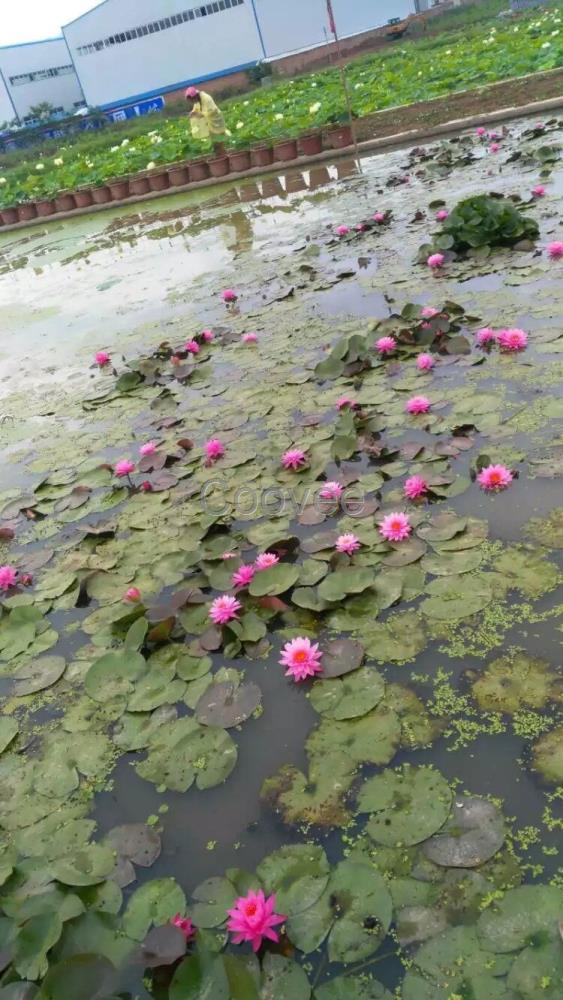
(212, 899)
(274, 580)
(163, 946)
(452, 963)
(283, 979)
(113, 675)
(474, 833)
(38, 675)
(353, 696)
(227, 704)
(456, 597)
(408, 805)
(154, 903)
(547, 755)
(452, 563)
(538, 972)
(88, 866)
(297, 873)
(342, 656)
(316, 799)
(352, 988)
(399, 639)
(184, 752)
(339, 584)
(9, 729)
(523, 913)
(513, 684)
(81, 977)
(135, 841)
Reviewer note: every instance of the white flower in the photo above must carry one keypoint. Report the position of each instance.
(246, 103)
(448, 52)
(278, 117)
(420, 72)
(3, 180)
(40, 166)
(516, 30)
(554, 33)
(59, 161)
(151, 165)
(546, 45)
(125, 142)
(240, 125)
(313, 85)
(114, 149)
(314, 108)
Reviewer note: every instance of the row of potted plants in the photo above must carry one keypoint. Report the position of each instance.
(260, 154)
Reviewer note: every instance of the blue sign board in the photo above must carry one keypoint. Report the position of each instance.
(134, 110)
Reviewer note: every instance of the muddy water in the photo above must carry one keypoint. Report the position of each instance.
(128, 279)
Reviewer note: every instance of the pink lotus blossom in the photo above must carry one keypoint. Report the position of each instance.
(512, 340)
(485, 337)
(494, 135)
(342, 230)
(8, 577)
(555, 250)
(243, 576)
(102, 358)
(425, 362)
(442, 214)
(395, 527)
(418, 404)
(252, 919)
(214, 449)
(494, 147)
(249, 338)
(184, 924)
(132, 595)
(331, 491)
(124, 467)
(344, 403)
(481, 131)
(146, 486)
(294, 458)
(360, 227)
(265, 560)
(229, 295)
(347, 544)
(148, 448)
(175, 360)
(494, 477)
(436, 260)
(223, 609)
(379, 217)
(415, 487)
(385, 345)
(539, 125)
(192, 347)
(428, 312)
(538, 191)
(301, 657)
(207, 336)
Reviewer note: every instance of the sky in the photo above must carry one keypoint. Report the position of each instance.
(31, 20)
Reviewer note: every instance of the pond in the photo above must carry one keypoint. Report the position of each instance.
(157, 762)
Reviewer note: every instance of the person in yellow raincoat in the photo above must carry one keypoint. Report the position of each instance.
(206, 118)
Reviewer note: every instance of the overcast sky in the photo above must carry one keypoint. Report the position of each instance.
(30, 20)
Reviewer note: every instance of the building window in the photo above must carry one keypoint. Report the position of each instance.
(40, 74)
(149, 29)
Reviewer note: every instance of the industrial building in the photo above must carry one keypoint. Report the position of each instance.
(37, 73)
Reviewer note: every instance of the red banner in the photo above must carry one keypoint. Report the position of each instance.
(330, 12)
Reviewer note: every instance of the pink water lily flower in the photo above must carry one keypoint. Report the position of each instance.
(415, 487)
(512, 340)
(555, 250)
(385, 345)
(265, 560)
(481, 131)
(347, 544)
(132, 595)
(146, 486)
(184, 924)
(229, 295)
(148, 448)
(123, 467)
(192, 347)
(344, 403)
(302, 659)
(243, 576)
(442, 214)
(252, 919)
(342, 230)
(418, 404)
(485, 337)
(425, 362)
(494, 477)
(494, 147)
(102, 358)
(223, 609)
(8, 577)
(538, 191)
(436, 260)
(249, 338)
(428, 312)
(395, 527)
(379, 217)
(360, 227)
(175, 360)
(294, 458)
(207, 336)
(214, 449)
(331, 491)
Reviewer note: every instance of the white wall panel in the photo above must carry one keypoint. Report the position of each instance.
(19, 60)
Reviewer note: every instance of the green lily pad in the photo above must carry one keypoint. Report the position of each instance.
(399, 639)
(547, 755)
(350, 697)
(38, 675)
(34, 940)
(342, 656)
(297, 874)
(185, 751)
(212, 899)
(371, 739)
(85, 867)
(113, 675)
(352, 988)
(283, 979)
(473, 535)
(418, 727)
(9, 729)
(523, 913)
(151, 904)
(456, 597)
(228, 704)
(408, 805)
(538, 972)
(316, 799)
(200, 976)
(135, 841)
(274, 580)
(442, 527)
(526, 570)
(452, 563)
(452, 963)
(474, 833)
(339, 584)
(82, 977)
(512, 684)
(548, 530)
(163, 946)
